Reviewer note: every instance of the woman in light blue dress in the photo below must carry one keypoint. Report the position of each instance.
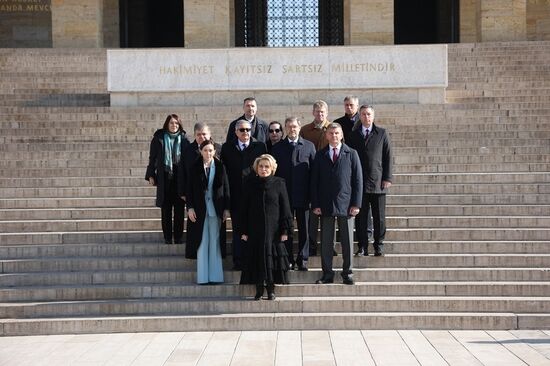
(208, 206)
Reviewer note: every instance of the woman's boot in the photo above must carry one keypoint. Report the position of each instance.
(271, 291)
(259, 291)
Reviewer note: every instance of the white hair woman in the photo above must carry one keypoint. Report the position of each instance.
(266, 221)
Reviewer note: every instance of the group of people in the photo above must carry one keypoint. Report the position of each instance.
(265, 177)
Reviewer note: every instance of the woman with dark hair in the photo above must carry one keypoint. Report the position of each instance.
(167, 173)
(207, 207)
(266, 221)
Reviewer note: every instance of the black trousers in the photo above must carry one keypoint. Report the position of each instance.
(302, 218)
(172, 204)
(377, 204)
(363, 226)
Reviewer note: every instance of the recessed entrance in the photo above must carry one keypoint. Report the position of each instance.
(150, 23)
(426, 21)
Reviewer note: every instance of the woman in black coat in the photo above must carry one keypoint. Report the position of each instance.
(167, 173)
(208, 206)
(266, 221)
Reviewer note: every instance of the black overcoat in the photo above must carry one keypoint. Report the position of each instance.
(196, 200)
(259, 130)
(375, 156)
(336, 187)
(155, 168)
(294, 166)
(193, 153)
(238, 165)
(265, 216)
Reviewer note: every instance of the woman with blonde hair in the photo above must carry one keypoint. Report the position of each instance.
(266, 221)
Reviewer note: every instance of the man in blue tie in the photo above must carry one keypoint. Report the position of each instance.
(238, 157)
(294, 156)
(374, 148)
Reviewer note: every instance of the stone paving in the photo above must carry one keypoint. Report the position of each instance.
(288, 348)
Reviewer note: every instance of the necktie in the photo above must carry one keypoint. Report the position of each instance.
(243, 146)
(334, 155)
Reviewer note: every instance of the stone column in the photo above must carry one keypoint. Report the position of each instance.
(370, 22)
(77, 23)
(503, 20)
(207, 23)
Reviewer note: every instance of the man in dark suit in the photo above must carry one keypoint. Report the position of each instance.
(336, 186)
(294, 157)
(238, 157)
(350, 120)
(374, 148)
(258, 126)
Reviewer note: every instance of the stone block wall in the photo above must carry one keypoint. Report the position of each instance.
(370, 22)
(77, 23)
(207, 23)
(538, 20)
(503, 20)
(25, 24)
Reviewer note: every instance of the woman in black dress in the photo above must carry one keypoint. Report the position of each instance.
(266, 221)
(167, 173)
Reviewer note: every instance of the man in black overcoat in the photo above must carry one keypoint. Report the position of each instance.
(336, 186)
(374, 148)
(238, 157)
(294, 156)
(258, 126)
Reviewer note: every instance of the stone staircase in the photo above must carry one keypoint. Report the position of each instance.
(468, 245)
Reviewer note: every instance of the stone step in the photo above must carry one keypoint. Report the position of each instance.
(148, 249)
(472, 168)
(152, 223)
(468, 199)
(160, 291)
(150, 212)
(403, 234)
(404, 179)
(144, 263)
(112, 277)
(80, 202)
(274, 321)
(307, 305)
(77, 192)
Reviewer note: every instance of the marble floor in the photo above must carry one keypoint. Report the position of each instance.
(288, 348)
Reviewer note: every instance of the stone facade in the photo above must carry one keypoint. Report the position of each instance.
(207, 23)
(538, 20)
(211, 23)
(503, 20)
(370, 22)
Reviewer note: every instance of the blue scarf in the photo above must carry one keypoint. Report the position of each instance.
(172, 150)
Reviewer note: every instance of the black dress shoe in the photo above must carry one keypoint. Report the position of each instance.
(178, 241)
(167, 241)
(378, 254)
(303, 267)
(348, 281)
(334, 253)
(361, 253)
(323, 281)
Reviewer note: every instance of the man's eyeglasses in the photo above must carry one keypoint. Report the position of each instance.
(275, 131)
(244, 129)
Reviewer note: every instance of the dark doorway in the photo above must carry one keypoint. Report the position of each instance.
(150, 23)
(426, 21)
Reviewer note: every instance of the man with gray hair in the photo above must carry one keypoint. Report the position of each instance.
(350, 120)
(294, 156)
(238, 157)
